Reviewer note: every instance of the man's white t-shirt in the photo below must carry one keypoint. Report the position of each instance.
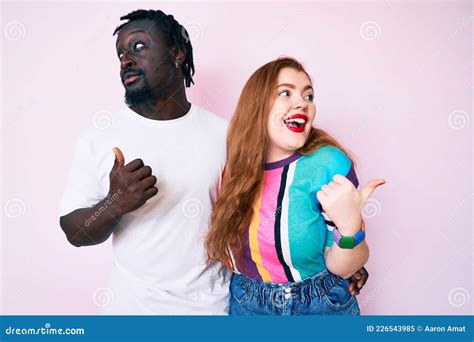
(159, 262)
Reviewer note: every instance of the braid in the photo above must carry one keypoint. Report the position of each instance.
(176, 36)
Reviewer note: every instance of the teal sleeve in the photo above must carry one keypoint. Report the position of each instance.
(329, 236)
(331, 161)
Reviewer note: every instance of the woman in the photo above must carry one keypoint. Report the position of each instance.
(288, 191)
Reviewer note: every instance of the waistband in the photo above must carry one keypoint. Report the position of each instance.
(317, 285)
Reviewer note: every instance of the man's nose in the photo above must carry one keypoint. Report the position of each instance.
(126, 61)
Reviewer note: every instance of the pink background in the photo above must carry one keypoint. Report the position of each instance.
(393, 82)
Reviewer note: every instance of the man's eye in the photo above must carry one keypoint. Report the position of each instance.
(138, 46)
(284, 93)
(120, 55)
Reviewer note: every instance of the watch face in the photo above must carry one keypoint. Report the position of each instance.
(347, 242)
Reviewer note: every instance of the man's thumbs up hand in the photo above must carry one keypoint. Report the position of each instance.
(119, 158)
(131, 185)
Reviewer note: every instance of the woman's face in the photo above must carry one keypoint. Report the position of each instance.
(291, 115)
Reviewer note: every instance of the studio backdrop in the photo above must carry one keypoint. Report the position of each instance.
(393, 83)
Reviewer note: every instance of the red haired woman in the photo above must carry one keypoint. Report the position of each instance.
(288, 218)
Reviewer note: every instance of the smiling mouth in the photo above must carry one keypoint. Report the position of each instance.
(296, 123)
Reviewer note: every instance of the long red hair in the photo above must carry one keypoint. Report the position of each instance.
(246, 146)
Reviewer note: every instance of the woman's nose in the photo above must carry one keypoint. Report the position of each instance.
(300, 103)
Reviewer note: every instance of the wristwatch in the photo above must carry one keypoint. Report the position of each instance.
(349, 242)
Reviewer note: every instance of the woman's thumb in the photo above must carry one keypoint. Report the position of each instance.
(370, 187)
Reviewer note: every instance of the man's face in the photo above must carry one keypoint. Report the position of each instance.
(146, 62)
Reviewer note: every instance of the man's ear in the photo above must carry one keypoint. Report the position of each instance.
(179, 55)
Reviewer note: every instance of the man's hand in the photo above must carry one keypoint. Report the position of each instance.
(357, 281)
(131, 185)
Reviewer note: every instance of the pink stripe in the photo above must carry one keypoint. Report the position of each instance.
(266, 229)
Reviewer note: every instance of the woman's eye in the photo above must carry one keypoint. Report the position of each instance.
(284, 93)
(309, 97)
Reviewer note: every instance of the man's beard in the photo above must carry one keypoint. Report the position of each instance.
(139, 96)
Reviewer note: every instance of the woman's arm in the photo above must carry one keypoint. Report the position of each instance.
(342, 202)
(346, 262)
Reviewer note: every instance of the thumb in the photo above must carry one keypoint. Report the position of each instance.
(367, 190)
(119, 158)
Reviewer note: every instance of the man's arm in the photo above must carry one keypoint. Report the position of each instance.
(131, 186)
(90, 226)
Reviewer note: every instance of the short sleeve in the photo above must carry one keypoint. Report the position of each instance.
(334, 162)
(215, 194)
(83, 188)
(329, 230)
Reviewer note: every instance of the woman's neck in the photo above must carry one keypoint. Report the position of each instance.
(274, 155)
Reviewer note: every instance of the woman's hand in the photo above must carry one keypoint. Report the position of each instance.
(343, 203)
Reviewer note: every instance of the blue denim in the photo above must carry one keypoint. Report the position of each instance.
(323, 294)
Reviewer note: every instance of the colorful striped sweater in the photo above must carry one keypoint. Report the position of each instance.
(288, 232)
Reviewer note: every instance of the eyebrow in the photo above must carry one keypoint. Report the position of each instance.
(139, 30)
(135, 31)
(292, 86)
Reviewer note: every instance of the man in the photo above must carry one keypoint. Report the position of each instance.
(155, 191)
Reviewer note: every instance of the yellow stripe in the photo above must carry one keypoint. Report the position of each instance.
(253, 240)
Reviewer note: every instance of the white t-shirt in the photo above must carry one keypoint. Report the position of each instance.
(159, 263)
